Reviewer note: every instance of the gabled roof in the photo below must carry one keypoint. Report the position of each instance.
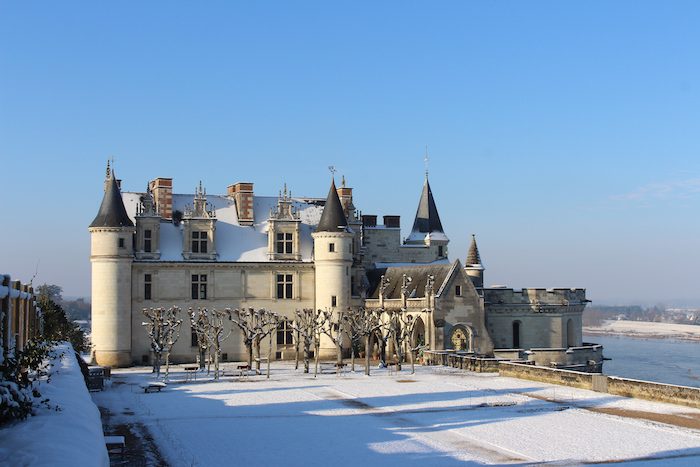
(333, 217)
(473, 256)
(112, 212)
(419, 277)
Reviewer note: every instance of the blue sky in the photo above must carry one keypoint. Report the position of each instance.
(564, 134)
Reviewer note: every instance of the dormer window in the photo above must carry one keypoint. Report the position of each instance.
(199, 241)
(284, 243)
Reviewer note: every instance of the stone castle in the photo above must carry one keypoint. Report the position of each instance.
(284, 253)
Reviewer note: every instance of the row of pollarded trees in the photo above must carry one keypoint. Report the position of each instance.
(353, 328)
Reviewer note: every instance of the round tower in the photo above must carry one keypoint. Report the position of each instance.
(332, 261)
(111, 255)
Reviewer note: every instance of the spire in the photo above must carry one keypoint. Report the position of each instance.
(427, 217)
(473, 254)
(112, 212)
(333, 218)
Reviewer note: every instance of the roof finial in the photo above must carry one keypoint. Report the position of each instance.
(109, 170)
(332, 170)
(425, 159)
(342, 184)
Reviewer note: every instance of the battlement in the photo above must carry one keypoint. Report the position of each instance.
(534, 296)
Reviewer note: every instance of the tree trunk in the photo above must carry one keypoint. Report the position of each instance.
(352, 357)
(316, 352)
(257, 354)
(216, 363)
(269, 357)
(202, 357)
(249, 345)
(167, 365)
(296, 352)
(307, 351)
(368, 339)
(413, 362)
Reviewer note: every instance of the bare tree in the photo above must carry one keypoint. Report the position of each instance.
(211, 325)
(332, 324)
(254, 325)
(364, 323)
(163, 327)
(402, 325)
(305, 325)
(199, 323)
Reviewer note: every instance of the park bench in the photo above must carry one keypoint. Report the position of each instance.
(114, 443)
(191, 373)
(153, 386)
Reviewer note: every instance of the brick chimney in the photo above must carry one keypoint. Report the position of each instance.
(162, 189)
(393, 222)
(242, 193)
(345, 195)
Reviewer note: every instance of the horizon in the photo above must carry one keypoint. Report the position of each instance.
(562, 135)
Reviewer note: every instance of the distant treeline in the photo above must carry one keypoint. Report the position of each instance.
(594, 315)
(76, 310)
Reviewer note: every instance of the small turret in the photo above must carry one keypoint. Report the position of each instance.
(473, 266)
(427, 228)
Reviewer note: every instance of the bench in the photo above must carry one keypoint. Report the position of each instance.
(115, 442)
(191, 373)
(153, 386)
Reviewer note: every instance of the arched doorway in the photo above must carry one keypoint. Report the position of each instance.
(462, 338)
(419, 338)
(516, 334)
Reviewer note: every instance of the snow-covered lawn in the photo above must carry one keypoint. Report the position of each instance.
(439, 416)
(646, 329)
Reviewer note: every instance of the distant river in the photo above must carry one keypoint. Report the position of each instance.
(662, 360)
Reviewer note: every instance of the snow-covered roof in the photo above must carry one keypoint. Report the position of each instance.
(234, 242)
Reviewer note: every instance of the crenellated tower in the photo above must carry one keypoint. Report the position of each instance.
(111, 255)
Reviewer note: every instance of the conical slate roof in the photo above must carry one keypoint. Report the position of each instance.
(427, 217)
(333, 218)
(112, 212)
(473, 254)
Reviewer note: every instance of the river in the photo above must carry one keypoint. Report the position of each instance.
(662, 360)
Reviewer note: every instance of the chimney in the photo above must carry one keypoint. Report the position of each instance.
(345, 195)
(369, 220)
(393, 222)
(242, 193)
(162, 189)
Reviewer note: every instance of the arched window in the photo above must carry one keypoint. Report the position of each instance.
(516, 334)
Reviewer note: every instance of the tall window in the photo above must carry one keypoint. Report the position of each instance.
(458, 290)
(199, 242)
(121, 242)
(334, 300)
(284, 286)
(285, 335)
(199, 286)
(284, 243)
(331, 247)
(441, 251)
(147, 286)
(147, 240)
(516, 334)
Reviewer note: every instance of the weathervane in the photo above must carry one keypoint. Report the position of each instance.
(332, 170)
(425, 159)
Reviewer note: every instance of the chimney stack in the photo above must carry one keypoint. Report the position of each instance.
(162, 189)
(242, 193)
(393, 222)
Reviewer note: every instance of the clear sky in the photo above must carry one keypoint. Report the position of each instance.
(564, 134)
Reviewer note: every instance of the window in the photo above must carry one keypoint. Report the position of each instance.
(516, 334)
(285, 335)
(284, 286)
(458, 290)
(334, 301)
(194, 340)
(331, 247)
(147, 286)
(284, 243)
(441, 251)
(199, 242)
(199, 286)
(147, 241)
(121, 242)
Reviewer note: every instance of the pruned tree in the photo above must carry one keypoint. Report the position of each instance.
(211, 325)
(332, 324)
(365, 323)
(402, 325)
(254, 325)
(305, 326)
(199, 323)
(163, 327)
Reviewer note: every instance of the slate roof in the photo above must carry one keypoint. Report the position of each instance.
(473, 256)
(418, 274)
(427, 217)
(333, 218)
(112, 212)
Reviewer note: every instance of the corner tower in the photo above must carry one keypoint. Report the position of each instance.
(333, 243)
(111, 255)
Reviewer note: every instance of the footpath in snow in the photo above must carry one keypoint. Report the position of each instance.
(439, 416)
(71, 435)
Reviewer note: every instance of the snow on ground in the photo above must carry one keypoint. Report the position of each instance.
(646, 329)
(437, 417)
(69, 436)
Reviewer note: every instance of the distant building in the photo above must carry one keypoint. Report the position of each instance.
(284, 252)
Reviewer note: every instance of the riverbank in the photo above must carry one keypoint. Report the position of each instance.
(645, 330)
